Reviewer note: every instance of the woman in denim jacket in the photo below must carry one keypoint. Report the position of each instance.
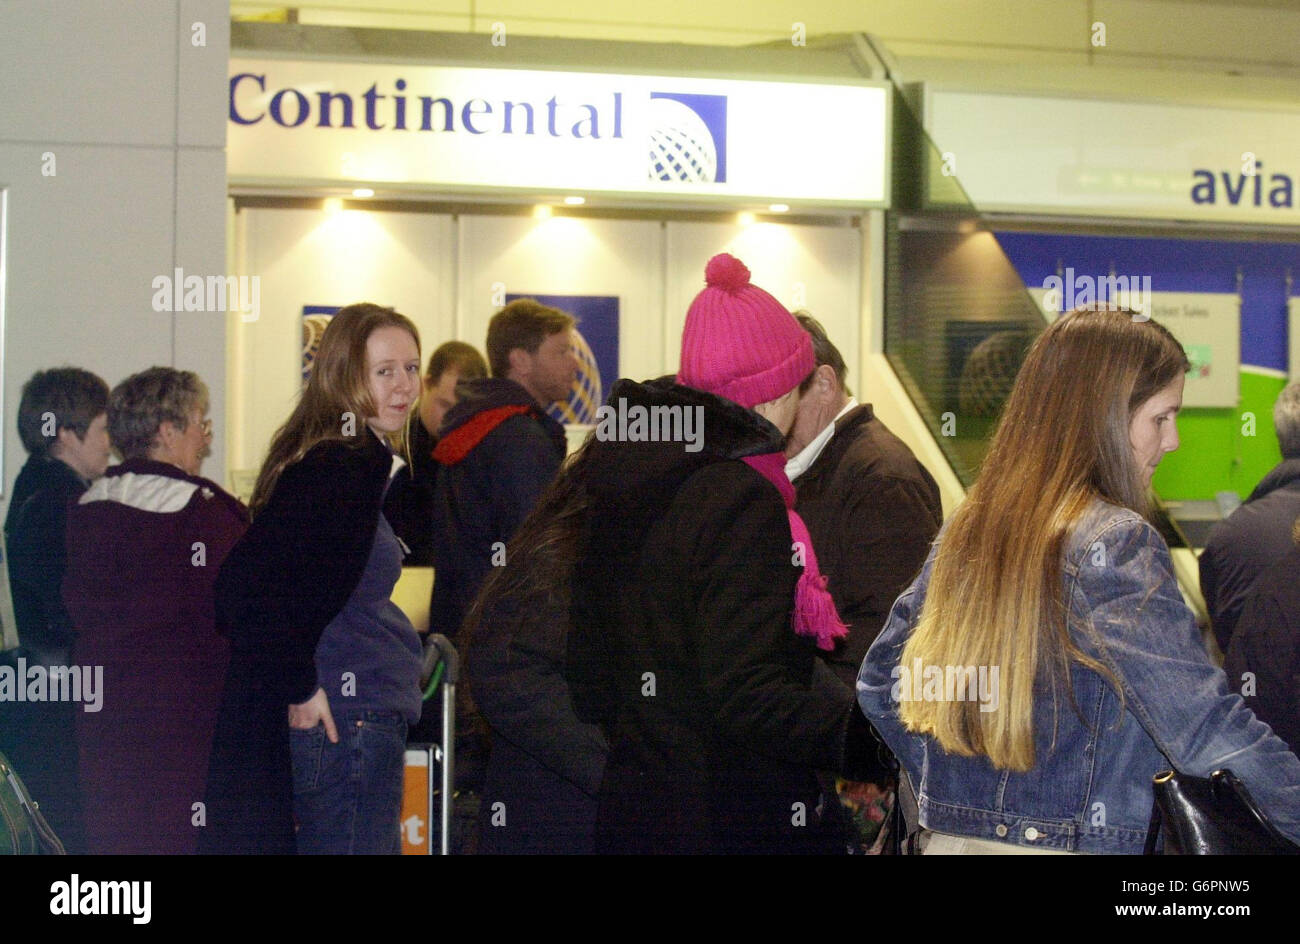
(1043, 667)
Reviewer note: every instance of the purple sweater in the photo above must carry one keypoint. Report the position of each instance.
(369, 656)
(145, 543)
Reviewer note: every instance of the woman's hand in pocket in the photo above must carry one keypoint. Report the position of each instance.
(314, 711)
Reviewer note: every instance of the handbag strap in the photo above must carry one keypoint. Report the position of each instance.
(8, 623)
(1153, 841)
(908, 821)
(1226, 780)
(1153, 827)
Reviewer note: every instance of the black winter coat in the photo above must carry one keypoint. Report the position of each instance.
(278, 589)
(35, 536)
(408, 506)
(1247, 542)
(545, 764)
(1267, 643)
(872, 510)
(682, 646)
(39, 737)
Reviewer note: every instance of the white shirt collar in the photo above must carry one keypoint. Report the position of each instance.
(398, 462)
(800, 463)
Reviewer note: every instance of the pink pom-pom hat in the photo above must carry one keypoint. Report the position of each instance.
(739, 342)
(742, 344)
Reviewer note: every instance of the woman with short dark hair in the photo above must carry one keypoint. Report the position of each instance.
(62, 424)
(145, 544)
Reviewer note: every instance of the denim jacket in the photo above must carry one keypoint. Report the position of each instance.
(1090, 790)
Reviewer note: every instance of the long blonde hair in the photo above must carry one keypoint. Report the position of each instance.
(336, 388)
(996, 595)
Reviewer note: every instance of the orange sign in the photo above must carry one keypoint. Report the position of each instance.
(415, 804)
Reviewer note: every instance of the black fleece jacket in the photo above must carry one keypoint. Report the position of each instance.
(278, 589)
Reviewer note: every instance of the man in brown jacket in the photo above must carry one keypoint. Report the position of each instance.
(871, 508)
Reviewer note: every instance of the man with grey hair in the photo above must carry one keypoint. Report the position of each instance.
(1258, 533)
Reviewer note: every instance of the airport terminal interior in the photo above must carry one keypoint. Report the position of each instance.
(1039, 428)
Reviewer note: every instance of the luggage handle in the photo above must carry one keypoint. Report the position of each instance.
(442, 667)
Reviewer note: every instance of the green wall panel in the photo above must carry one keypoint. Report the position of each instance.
(1214, 454)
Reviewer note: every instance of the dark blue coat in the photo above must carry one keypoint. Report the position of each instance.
(497, 451)
(1267, 643)
(35, 535)
(38, 737)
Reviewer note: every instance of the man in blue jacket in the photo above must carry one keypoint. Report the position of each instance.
(497, 450)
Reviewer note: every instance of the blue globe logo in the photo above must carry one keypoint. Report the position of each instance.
(585, 396)
(682, 149)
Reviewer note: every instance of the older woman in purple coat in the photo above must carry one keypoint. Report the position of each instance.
(145, 543)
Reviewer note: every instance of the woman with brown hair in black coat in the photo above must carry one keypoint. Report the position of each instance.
(697, 608)
(545, 764)
(324, 668)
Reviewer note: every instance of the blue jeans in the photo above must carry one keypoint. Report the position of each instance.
(347, 797)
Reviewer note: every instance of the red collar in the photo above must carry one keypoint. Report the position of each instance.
(462, 440)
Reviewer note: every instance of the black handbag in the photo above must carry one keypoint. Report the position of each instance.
(1213, 815)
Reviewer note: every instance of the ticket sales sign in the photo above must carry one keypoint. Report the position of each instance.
(459, 129)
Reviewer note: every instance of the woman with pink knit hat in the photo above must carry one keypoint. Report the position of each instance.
(696, 607)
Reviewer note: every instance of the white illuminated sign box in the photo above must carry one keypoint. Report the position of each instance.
(1020, 153)
(494, 129)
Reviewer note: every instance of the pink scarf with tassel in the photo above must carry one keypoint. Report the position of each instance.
(814, 610)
